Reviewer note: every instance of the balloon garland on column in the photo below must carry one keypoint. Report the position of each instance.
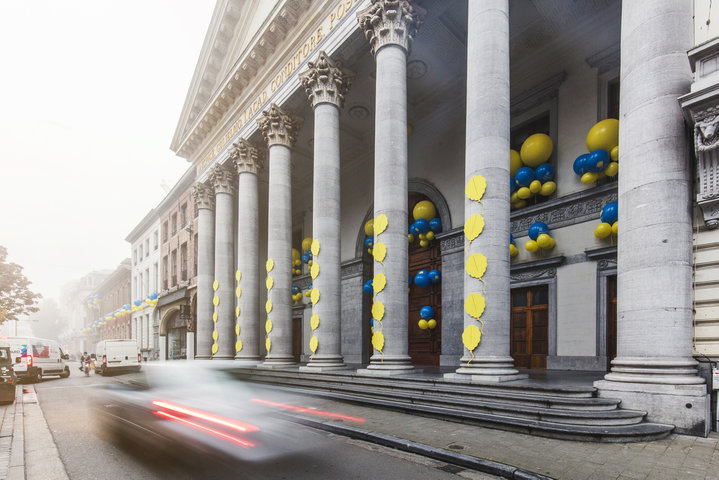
(238, 293)
(216, 303)
(269, 283)
(315, 296)
(379, 252)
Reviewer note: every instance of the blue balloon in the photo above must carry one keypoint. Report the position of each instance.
(435, 225)
(598, 160)
(610, 213)
(580, 164)
(305, 257)
(422, 278)
(367, 287)
(545, 172)
(511, 238)
(537, 229)
(371, 322)
(435, 276)
(369, 242)
(137, 303)
(426, 312)
(512, 185)
(524, 176)
(413, 229)
(422, 225)
(295, 289)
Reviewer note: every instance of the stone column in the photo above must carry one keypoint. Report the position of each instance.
(248, 163)
(204, 197)
(280, 132)
(654, 369)
(224, 182)
(326, 85)
(388, 26)
(487, 164)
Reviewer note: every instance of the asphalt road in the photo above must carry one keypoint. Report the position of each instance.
(89, 453)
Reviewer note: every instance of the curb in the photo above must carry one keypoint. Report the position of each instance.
(486, 466)
(16, 469)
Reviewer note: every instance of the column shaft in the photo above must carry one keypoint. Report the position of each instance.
(225, 275)
(247, 264)
(205, 277)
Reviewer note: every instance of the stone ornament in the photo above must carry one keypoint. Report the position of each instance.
(706, 124)
(223, 179)
(204, 196)
(325, 81)
(246, 157)
(390, 22)
(279, 127)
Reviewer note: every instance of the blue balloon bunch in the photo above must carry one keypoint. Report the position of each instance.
(528, 182)
(424, 230)
(513, 251)
(540, 237)
(609, 218)
(427, 320)
(368, 288)
(296, 293)
(423, 278)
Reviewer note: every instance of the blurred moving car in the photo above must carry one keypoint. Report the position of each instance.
(7, 376)
(187, 407)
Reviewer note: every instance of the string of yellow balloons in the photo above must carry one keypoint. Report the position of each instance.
(379, 252)
(238, 294)
(315, 297)
(476, 266)
(269, 283)
(216, 303)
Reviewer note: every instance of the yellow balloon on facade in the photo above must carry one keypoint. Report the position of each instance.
(531, 246)
(548, 188)
(612, 169)
(410, 238)
(513, 250)
(306, 244)
(515, 162)
(615, 228)
(513, 198)
(544, 240)
(589, 178)
(614, 154)
(603, 230)
(536, 150)
(424, 209)
(369, 227)
(535, 186)
(524, 193)
(604, 135)
(296, 257)
(520, 203)
(429, 235)
(432, 323)
(423, 243)
(423, 324)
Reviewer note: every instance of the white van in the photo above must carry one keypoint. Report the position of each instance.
(34, 358)
(116, 356)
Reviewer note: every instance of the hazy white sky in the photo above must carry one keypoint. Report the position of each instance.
(90, 94)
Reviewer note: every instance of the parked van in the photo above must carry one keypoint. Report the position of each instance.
(117, 356)
(34, 358)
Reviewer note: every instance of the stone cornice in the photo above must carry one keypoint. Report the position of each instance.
(326, 81)
(246, 157)
(203, 196)
(390, 22)
(223, 179)
(279, 127)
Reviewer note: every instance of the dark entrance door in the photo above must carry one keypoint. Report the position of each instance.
(297, 338)
(530, 327)
(611, 319)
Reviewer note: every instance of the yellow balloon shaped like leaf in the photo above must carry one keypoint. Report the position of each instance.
(269, 283)
(268, 344)
(315, 295)
(380, 224)
(237, 311)
(379, 282)
(238, 346)
(268, 326)
(238, 292)
(378, 341)
(315, 249)
(215, 348)
(474, 305)
(476, 265)
(473, 226)
(238, 275)
(314, 321)
(379, 252)
(215, 334)
(378, 311)
(269, 265)
(214, 317)
(313, 344)
(476, 187)
(215, 300)
(268, 306)
(215, 285)
(315, 270)
(471, 337)
(237, 329)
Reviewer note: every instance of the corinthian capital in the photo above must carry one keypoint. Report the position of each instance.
(246, 157)
(325, 81)
(388, 22)
(203, 196)
(279, 127)
(223, 179)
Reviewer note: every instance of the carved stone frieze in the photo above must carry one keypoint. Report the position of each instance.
(223, 179)
(325, 81)
(451, 243)
(279, 127)
(527, 275)
(706, 123)
(246, 157)
(390, 22)
(353, 268)
(203, 195)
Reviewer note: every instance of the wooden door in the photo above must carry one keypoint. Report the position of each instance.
(297, 338)
(611, 319)
(529, 335)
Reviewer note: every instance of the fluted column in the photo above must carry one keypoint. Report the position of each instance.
(388, 26)
(224, 299)
(654, 368)
(248, 163)
(326, 85)
(280, 132)
(204, 198)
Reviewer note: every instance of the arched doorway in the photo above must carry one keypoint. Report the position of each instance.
(174, 327)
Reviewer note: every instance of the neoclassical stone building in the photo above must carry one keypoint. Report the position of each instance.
(305, 119)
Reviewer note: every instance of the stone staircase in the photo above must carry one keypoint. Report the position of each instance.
(564, 412)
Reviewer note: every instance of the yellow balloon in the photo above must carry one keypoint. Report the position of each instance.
(380, 223)
(410, 238)
(423, 324)
(314, 343)
(471, 337)
(296, 257)
(604, 135)
(314, 270)
(268, 306)
(215, 348)
(306, 244)
(269, 283)
(589, 178)
(614, 154)
(551, 244)
(475, 188)
(379, 252)
(269, 265)
(238, 346)
(215, 300)
(268, 344)
(215, 335)
(429, 235)
(603, 230)
(513, 250)
(520, 204)
(378, 310)
(474, 305)
(513, 198)
(379, 282)
(535, 186)
(315, 247)
(432, 323)
(369, 227)
(215, 285)
(238, 275)
(548, 188)
(378, 341)
(424, 209)
(473, 226)
(615, 228)
(423, 243)
(524, 193)
(314, 321)
(515, 162)
(423, 236)
(268, 326)
(531, 246)
(612, 169)
(544, 240)
(315, 296)
(476, 265)
(536, 150)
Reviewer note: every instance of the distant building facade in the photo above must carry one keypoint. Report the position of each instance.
(110, 301)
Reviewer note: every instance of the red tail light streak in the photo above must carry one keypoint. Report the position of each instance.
(320, 413)
(199, 414)
(203, 428)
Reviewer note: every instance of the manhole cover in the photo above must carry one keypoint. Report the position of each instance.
(456, 447)
(449, 468)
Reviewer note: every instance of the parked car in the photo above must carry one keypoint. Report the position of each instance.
(7, 377)
(117, 356)
(34, 358)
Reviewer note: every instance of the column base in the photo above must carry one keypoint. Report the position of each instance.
(388, 366)
(323, 363)
(278, 362)
(485, 370)
(223, 357)
(242, 361)
(661, 370)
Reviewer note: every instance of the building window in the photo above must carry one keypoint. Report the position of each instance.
(139, 254)
(134, 257)
(183, 262)
(613, 98)
(173, 260)
(164, 273)
(183, 215)
(164, 232)
(147, 282)
(154, 240)
(156, 278)
(147, 247)
(174, 224)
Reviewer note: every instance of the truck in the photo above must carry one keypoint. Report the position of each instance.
(34, 358)
(117, 356)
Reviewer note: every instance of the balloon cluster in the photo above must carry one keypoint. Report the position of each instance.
(530, 174)
(603, 148)
(93, 300)
(427, 320)
(368, 288)
(296, 294)
(296, 262)
(609, 218)
(426, 223)
(513, 250)
(308, 292)
(539, 238)
(306, 256)
(369, 232)
(423, 278)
